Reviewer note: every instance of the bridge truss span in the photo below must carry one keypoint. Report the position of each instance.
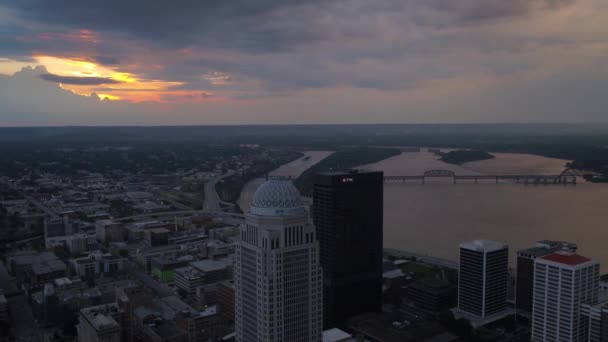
(565, 177)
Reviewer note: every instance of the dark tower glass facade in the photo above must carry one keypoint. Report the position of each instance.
(483, 277)
(348, 215)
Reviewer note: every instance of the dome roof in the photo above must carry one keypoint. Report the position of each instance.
(277, 197)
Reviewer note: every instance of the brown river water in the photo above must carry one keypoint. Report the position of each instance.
(435, 217)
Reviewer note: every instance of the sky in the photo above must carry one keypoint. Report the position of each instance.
(183, 62)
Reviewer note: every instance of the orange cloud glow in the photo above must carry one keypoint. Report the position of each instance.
(121, 85)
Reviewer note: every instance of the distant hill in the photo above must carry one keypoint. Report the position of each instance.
(566, 141)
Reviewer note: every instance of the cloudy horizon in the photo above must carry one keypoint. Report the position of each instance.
(302, 62)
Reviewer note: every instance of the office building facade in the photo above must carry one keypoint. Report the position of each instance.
(597, 315)
(563, 283)
(482, 278)
(348, 216)
(278, 280)
(525, 270)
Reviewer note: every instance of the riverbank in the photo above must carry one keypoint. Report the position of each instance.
(432, 219)
(343, 159)
(426, 259)
(230, 188)
(290, 170)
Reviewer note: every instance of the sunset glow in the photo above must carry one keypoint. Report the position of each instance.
(119, 86)
(273, 61)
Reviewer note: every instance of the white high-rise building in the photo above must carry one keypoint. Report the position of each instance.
(277, 277)
(563, 283)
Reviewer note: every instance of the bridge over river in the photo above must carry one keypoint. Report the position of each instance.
(568, 176)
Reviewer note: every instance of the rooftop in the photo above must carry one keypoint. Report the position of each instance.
(167, 330)
(30, 257)
(566, 258)
(100, 316)
(396, 273)
(544, 247)
(158, 230)
(483, 245)
(211, 265)
(335, 335)
(49, 266)
(188, 272)
(209, 311)
(167, 308)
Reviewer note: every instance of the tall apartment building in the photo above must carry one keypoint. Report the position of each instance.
(348, 216)
(482, 278)
(278, 280)
(525, 269)
(563, 283)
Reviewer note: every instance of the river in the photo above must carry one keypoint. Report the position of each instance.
(291, 170)
(434, 218)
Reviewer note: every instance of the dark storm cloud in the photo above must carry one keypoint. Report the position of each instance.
(484, 10)
(307, 40)
(244, 24)
(448, 12)
(260, 26)
(78, 80)
(105, 60)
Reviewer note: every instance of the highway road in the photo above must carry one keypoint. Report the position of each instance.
(212, 199)
(227, 216)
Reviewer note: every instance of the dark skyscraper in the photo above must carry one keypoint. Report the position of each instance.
(348, 209)
(482, 277)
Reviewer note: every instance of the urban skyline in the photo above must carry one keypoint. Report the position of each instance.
(303, 171)
(278, 274)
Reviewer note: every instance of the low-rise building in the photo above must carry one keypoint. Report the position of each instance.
(144, 256)
(43, 272)
(97, 263)
(157, 236)
(19, 263)
(100, 324)
(432, 294)
(76, 243)
(163, 267)
(157, 329)
(203, 272)
(109, 231)
(57, 227)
